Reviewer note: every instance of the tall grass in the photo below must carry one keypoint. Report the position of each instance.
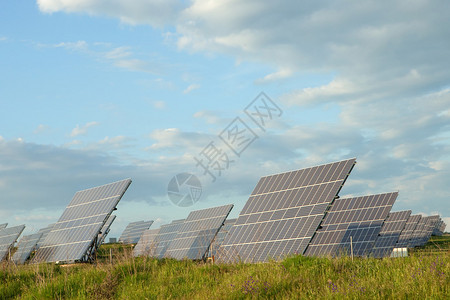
(420, 276)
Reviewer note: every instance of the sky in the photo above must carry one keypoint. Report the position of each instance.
(96, 91)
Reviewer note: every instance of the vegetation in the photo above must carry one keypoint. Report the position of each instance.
(423, 275)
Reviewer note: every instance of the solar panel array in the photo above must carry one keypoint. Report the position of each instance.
(73, 237)
(147, 243)
(390, 233)
(105, 230)
(133, 232)
(27, 244)
(166, 235)
(197, 232)
(283, 212)
(351, 223)
(8, 236)
(408, 231)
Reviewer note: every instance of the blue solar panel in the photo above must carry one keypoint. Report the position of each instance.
(351, 223)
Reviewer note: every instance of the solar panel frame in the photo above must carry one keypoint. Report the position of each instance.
(351, 223)
(194, 238)
(390, 233)
(146, 246)
(27, 244)
(74, 237)
(133, 231)
(283, 212)
(8, 236)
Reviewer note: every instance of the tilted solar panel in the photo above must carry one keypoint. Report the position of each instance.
(147, 243)
(417, 235)
(428, 229)
(26, 245)
(105, 230)
(407, 232)
(198, 231)
(73, 237)
(351, 223)
(166, 235)
(8, 236)
(283, 212)
(45, 231)
(133, 232)
(390, 233)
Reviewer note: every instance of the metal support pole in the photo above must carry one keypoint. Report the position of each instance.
(351, 246)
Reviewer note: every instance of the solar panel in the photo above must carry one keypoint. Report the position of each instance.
(283, 212)
(147, 243)
(73, 237)
(407, 232)
(133, 232)
(166, 235)
(45, 231)
(439, 228)
(390, 233)
(105, 230)
(224, 230)
(416, 236)
(27, 244)
(198, 231)
(4, 225)
(351, 223)
(8, 236)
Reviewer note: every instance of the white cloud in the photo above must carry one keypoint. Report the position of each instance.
(82, 130)
(136, 65)
(159, 104)
(190, 88)
(77, 46)
(154, 12)
(119, 52)
(41, 128)
(281, 74)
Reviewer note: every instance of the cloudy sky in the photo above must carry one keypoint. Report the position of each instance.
(96, 91)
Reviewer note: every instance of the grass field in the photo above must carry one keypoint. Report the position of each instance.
(425, 274)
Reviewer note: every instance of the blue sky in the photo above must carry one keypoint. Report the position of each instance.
(94, 91)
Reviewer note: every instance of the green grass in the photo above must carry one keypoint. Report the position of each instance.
(423, 275)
